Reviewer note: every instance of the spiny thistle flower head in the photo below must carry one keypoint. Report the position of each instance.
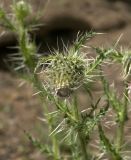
(64, 72)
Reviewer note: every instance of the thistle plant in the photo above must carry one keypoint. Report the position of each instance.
(57, 80)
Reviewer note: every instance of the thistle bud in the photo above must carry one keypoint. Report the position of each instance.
(22, 9)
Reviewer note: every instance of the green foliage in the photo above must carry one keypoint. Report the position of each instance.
(106, 144)
(57, 78)
(36, 143)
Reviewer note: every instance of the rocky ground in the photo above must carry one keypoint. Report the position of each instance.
(19, 110)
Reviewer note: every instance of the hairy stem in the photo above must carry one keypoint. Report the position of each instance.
(83, 146)
(43, 94)
(80, 134)
(121, 121)
(55, 148)
(109, 147)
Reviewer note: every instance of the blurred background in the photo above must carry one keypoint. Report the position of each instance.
(60, 21)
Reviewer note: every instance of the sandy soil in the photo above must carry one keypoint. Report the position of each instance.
(18, 108)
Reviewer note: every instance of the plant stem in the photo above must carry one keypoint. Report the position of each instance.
(83, 146)
(55, 148)
(28, 50)
(109, 147)
(80, 134)
(122, 120)
(119, 135)
(42, 95)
